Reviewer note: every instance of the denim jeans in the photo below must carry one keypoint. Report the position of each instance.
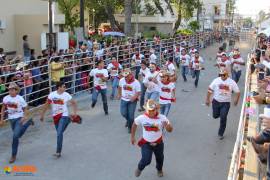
(143, 90)
(221, 110)
(27, 59)
(60, 129)
(103, 93)
(127, 110)
(165, 109)
(236, 75)
(184, 71)
(152, 95)
(137, 71)
(18, 130)
(29, 90)
(147, 150)
(196, 75)
(177, 62)
(115, 82)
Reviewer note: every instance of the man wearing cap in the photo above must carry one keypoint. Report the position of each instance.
(150, 83)
(59, 100)
(114, 68)
(129, 92)
(100, 79)
(152, 141)
(17, 111)
(222, 88)
(237, 63)
(185, 60)
(197, 65)
(142, 75)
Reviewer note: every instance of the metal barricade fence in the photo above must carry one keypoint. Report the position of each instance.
(38, 79)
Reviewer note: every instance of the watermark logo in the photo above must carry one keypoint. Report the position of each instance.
(23, 170)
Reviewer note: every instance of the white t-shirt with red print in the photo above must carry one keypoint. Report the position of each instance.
(185, 60)
(144, 72)
(59, 103)
(152, 128)
(166, 92)
(114, 71)
(197, 63)
(151, 86)
(223, 89)
(14, 106)
(129, 89)
(170, 66)
(98, 74)
(137, 59)
(237, 63)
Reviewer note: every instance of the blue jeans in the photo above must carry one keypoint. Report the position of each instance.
(115, 82)
(196, 75)
(27, 59)
(103, 93)
(177, 61)
(165, 109)
(137, 71)
(221, 110)
(18, 130)
(60, 129)
(29, 90)
(143, 90)
(184, 71)
(127, 110)
(147, 150)
(236, 75)
(152, 95)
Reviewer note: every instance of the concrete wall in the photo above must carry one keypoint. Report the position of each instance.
(8, 10)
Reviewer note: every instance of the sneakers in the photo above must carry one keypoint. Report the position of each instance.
(57, 155)
(12, 159)
(160, 173)
(137, 172)
(141, 109)
(220, 137)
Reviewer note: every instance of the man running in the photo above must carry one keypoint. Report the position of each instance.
(237, 63)
(114, 68)
(59, 100)
(129, 92)
(151, 142)
(137, 60)
(100, 79)
(150, 84)
(185, 60)
(197, 65)
(17, 115)
(221, 89)
(142, 75)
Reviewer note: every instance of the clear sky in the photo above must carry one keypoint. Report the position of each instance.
(252, 7)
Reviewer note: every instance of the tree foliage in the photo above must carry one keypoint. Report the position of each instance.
(194, 25)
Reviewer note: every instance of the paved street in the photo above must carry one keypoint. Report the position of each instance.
(100, 149)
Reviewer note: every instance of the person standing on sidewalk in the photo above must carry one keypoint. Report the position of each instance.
(197, 65)
(237, 63)
(17, 115)
(129, 92)
(59, 100)
(114, 68)
(142, 75)
(100, 79)
(222, 88)
(185, 60)
(151, 142)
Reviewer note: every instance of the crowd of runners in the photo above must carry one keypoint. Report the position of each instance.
(152, 86)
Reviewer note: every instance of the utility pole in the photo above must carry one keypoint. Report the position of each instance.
(82, 14)
(50, 26)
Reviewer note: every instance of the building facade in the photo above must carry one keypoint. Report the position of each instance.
(25, 17)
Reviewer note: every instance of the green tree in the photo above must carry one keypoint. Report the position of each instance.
(247, 22)
(72, 17)
(194, 25)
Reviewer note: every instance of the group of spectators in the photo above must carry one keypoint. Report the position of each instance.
(36, 74)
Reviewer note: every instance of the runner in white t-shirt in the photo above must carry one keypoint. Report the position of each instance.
(59, 100)
(142, 75)
(222, 88)
(153, 57)
(128, 91)
(150, 84)
(17, 112)
(152, 141)
(197, 65)
(114, 68)
(100, 79)
(237, 63)
(136, 61)
(224, 63)
(185, 62)
(166, 92)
